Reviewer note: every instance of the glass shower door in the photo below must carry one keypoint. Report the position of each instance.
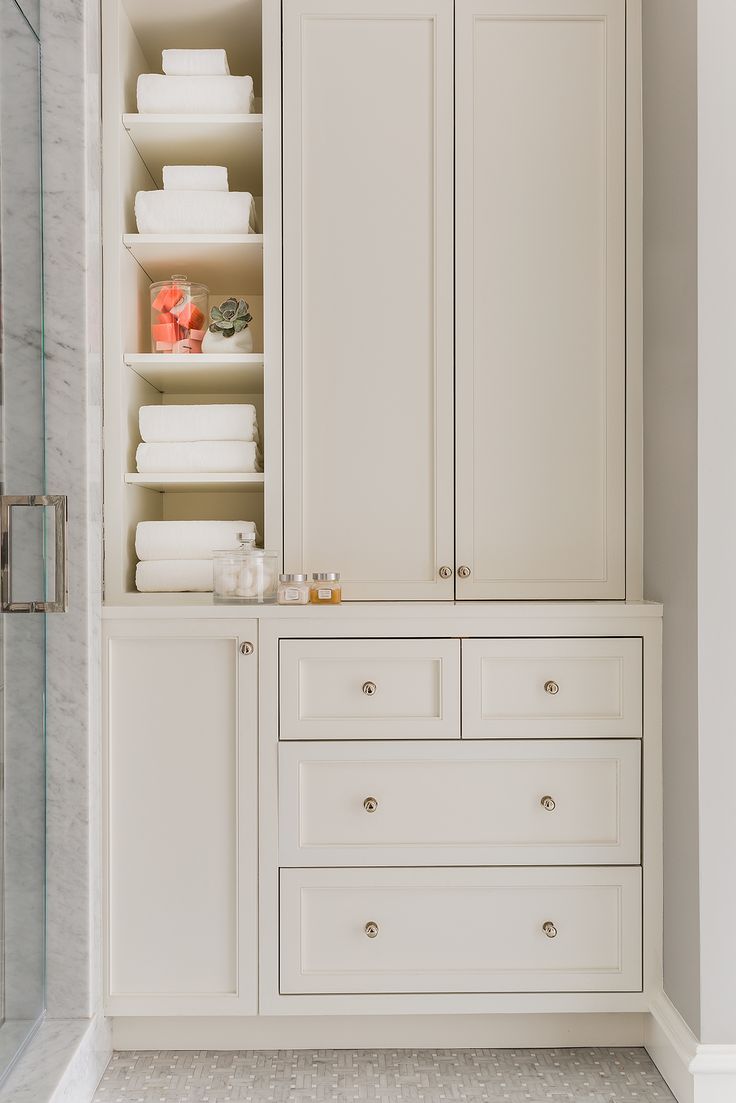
(28, 547)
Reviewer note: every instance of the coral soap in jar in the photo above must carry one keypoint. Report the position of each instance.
(178, 315)
(326, 588)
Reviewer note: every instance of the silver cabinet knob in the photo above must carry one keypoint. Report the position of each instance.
(548, 803)
(371, 929)
(370, 804)
(445, 572)
(369, 688)
(463, 572)
(551, 687)
(549, 929)
(246, 649)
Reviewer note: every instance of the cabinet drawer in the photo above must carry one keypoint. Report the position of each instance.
(460, 930)
(552, 688)
(558, 802)
(370, 689)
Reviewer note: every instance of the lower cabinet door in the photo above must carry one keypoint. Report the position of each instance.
(181, 800)
(460, 930)
(497, 802)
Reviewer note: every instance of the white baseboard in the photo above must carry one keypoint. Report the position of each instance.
(382, 1032)
(696, 1073)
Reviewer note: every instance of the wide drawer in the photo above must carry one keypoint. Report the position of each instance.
(370, 689)
(460, 930)
(552, 688)
(561, 802)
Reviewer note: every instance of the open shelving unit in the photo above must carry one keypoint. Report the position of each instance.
(136, 147)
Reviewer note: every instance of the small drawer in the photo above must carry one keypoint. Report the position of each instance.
(561, 802)
(369, 689)
(552, 688)
(460, 930)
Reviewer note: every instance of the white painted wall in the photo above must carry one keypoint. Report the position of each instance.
(670, 457)
(717, 513)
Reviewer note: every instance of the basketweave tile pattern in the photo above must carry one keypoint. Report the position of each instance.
(385, 1076)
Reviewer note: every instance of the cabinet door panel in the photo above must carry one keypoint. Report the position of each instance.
(368, 293)
(540, 132)
(181, 822)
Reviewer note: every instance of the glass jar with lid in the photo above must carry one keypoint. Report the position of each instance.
(247, 575)
(293, 589)
(325, 588)
(179, 312)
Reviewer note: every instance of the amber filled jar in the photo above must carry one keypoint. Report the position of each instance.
(326, 588)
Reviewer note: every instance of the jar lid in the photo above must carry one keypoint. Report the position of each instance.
(326, 576)
(292, 578)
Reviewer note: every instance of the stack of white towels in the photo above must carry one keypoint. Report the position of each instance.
(193, 439)
(194, 82)
(195, 200)
(176, 556)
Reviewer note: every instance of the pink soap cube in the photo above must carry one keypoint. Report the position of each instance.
(188, 346)
(167, 297)
(164, 346)
(197, 334)
(169, 331)
(191, 317)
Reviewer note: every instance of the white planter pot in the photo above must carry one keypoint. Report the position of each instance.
(218, 343)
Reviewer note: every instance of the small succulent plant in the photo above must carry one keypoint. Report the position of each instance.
(230, 317)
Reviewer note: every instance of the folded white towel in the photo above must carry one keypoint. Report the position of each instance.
(194, 212)
(174, 576)
(194, 63)
(188, 539)
(195, 178)
(170, 424)
(163, 95)
(199, 456)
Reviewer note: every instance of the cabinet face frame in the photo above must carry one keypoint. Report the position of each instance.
(474, 621)
(363, 512)
(243, 1000)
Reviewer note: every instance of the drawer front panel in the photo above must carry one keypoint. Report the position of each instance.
(460, 930)
(567, 802)
(370, 689)
(552, 688)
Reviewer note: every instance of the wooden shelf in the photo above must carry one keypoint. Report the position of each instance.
(189, 481)
(232, 140)
(208, 374)
(221, 261)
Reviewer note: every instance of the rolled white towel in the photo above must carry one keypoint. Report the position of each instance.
(175, 576)
(194, 63)
(195, 178)
(181, 95)
(188, 539)
(194, 212)
(199, 456)
(172, 424)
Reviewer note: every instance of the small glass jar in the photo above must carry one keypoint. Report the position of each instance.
(293, 589)
(326, 588)
(246, 576)
(179, 315)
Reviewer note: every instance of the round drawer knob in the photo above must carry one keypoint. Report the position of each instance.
(551, 687)
(463, 572)
(548, 803)
(369, 688)
(370, 804)
(549, 929)
(445, 572)
(246, 649)
(371, 929)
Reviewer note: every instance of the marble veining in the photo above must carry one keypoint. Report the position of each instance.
(71, 118)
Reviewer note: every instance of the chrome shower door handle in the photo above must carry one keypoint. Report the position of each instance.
(60, 600)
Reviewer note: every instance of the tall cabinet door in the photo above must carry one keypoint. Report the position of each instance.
(368, 294)
(540, 192)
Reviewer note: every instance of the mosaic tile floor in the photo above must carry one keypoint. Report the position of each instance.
(386, 1076)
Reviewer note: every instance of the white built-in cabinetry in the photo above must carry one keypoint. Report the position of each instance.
(410, 805)
(455, 358)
